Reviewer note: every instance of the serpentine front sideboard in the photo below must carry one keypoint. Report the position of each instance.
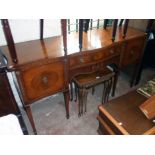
(41, 71)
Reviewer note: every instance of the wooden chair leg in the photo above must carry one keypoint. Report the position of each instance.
(66, 98)
(30, 116)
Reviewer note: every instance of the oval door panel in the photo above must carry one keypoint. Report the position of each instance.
(42, 81)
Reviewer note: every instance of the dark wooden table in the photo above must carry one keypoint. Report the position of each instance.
(123, 116)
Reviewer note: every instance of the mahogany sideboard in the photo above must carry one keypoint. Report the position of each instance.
(40, 70)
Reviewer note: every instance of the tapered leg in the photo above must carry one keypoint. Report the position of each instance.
(109, 89)
(66, 97)
(93, 90)
(115, 83)
(76, 93)
(85, 100)
(105, 90)
(79, 101)
(139, 74)
(71, 91)
(134, 76)
(30, 116)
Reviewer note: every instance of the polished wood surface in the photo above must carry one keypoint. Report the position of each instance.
(48, 48)
(125, 113)
(41, 80)
(133, 51)
(148, 107)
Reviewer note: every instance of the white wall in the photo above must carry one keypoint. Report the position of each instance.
(26, 30)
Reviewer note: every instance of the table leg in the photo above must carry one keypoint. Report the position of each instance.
(66, 98)
(115, 83)
(71, 91)
(76, 93)
(134, 76)
(30, 116)
(85, 99)
(93, 90)
(79, 101)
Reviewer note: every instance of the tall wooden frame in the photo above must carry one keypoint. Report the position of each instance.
(9, 39)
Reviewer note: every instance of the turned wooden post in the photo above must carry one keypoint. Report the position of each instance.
(86, 24)
(9, 39)
(41, 29)
(125, 27)
(121, 22)
(66, 91)
(114, 29)
(105, 23)
(80, 33)
(64, 34)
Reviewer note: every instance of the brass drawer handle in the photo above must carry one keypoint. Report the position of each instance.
(45, 79)
(81, 60)
(112, 51)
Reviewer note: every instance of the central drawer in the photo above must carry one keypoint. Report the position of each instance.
(84, 58)
(41, 81)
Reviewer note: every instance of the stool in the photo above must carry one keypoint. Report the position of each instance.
(84, 82)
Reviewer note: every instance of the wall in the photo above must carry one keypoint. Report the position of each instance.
(138, 23)
(25, 30)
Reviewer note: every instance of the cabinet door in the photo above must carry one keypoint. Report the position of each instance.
(132, 51)
(41, 80)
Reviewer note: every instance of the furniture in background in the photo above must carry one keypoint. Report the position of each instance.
(122, 116)
(8, 104)
(43, 67)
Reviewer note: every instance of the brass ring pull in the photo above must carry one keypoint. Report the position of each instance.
(81, 60)
(111, 51)
(45, 80)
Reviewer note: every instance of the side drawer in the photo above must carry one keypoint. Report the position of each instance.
(41, 81)
(132, 51)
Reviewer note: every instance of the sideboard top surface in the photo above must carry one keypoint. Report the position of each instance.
(52, 47)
